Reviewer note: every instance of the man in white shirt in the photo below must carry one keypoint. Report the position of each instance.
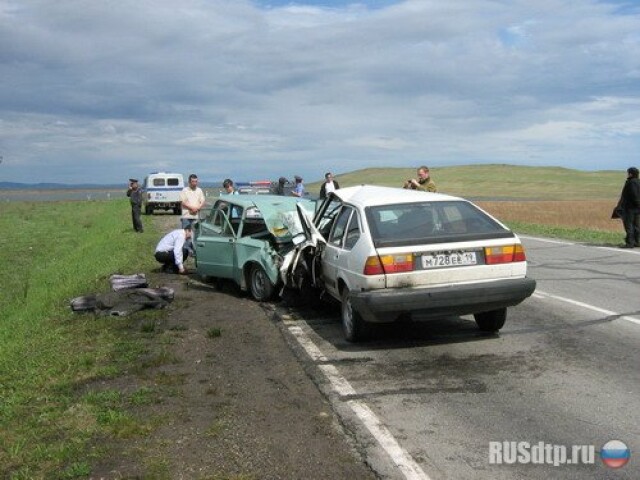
(171, 251)
(192, 199)
(329, 185)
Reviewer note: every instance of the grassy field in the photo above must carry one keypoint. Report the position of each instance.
(51, 417)
(51, 252)
(547, 201)
(580, 220)
(498, 181)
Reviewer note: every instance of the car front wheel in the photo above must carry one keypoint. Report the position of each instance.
(260, 285)
(352, 322)
(491, 321)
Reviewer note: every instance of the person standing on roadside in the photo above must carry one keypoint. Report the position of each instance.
(423, 182)
(172, 250)
(282, 181)
(228, 187)
(629, 208)
(329, 185)
(298, 190)
(192, 199)
(134, 192)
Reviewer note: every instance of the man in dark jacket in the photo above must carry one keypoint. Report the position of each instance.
(282, 181)
(135, 197)
(629, 206)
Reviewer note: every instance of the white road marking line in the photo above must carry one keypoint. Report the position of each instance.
(407, 465)
(340, 384)
(566, 242)
(618, 249)
(311, 348)
(399, 456)
(547, 240)
(541, 294)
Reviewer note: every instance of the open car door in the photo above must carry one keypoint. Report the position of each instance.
(215, 246)
(307, 244)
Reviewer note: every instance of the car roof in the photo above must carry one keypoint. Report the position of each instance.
(271, 206)
(264, 202)
(373, 195)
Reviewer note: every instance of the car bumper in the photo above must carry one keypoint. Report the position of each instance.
(387, 305)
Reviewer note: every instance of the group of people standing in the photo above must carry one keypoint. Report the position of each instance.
(329, 185)
(174, 248)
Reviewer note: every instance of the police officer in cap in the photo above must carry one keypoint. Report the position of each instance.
(135, 197)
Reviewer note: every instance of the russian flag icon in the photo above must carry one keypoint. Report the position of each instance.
(615, 454)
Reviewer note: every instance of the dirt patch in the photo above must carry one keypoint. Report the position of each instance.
(226, 397)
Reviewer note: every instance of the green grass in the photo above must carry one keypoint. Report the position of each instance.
(497, 181)
(595, 237)
(51, 252)
(214, 332)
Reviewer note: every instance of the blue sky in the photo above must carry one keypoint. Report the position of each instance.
(102, 91)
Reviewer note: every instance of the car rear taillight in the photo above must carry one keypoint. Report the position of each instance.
(506, 254)
(378, 265)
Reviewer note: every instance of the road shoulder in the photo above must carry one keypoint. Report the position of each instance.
(230, 398)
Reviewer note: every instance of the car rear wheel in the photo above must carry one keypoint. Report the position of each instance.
(352, 322)
(260, 285)
(148, 210)
(491, 321)
(177, 211)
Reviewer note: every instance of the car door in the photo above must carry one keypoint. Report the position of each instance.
(335, 258)
(215, 244)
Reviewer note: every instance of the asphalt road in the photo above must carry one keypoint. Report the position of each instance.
(426, 399)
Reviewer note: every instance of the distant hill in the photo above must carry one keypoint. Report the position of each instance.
(496, 181)
(492, 181)
(77, 186)
(54, 186)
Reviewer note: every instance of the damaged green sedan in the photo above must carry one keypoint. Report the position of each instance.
(245, 237)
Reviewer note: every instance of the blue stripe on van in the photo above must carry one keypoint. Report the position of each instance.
(163, 189)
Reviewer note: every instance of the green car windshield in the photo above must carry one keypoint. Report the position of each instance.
(278, 214)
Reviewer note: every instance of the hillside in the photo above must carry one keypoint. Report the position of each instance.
(498, 181)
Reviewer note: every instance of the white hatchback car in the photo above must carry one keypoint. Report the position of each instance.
(385, 253)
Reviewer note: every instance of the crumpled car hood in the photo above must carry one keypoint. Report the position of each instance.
(312, 238)
(281, 219)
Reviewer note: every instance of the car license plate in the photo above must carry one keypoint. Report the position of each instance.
(454, 259)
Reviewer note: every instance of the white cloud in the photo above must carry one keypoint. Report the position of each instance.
(238, 89)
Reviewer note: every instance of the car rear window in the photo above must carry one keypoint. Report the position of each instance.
(431, 222)
(173, 182)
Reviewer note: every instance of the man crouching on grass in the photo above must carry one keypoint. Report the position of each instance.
(171, 250)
